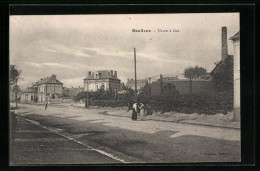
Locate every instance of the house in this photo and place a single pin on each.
(140, 83)
(106, 80)
(72, 92)
(236, 62)
(29, 95)
(48, 88)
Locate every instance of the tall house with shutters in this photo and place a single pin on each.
(106, 80)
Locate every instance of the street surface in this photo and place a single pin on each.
(69, 135)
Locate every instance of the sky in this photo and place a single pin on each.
(71, 45)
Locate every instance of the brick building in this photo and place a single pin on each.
(43, 90)
(48, 87)
(28, 95)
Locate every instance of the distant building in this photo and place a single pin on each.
(236, 43)
(106, 80)
(48, 87)
(72, 92)
(140, 83)
(29, 94)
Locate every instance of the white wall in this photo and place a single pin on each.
(237, 80)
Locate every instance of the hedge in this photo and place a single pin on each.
(108, 103)
(208, 102)
(202, 103)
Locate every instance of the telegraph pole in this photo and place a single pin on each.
(135, 76)
(161, 83)
(87, 95)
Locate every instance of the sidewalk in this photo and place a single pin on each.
(116, 119)
(217, 120)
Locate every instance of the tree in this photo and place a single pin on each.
(223, 75)
(145, 93)
(194, 73)
(14, 76)
(81, 95)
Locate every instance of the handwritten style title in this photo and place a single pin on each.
(158, 30)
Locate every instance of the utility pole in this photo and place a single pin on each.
(87, 95)
(15, 89)
(135, 76)
(190, 85)
(161, 83)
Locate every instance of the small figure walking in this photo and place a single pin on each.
(46, 105)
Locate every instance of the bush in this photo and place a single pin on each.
(207, 102)
(108, 103)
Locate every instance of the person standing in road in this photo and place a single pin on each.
(134, 114)
(142, 114)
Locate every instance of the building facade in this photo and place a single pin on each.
(43, 90)
(236, 43)
(28, 95)
(106, 80)
(140, 83)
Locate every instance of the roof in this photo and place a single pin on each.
(142, 81)
(236, 36)
(105, 74)
(48, 80)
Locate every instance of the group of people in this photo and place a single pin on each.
(140, 109)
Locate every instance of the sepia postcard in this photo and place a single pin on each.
(124, 88)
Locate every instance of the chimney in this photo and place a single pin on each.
(115, 74)
(89, 73)
(224, 48)
(53, 76)
(111, 73)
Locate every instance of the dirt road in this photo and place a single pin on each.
(137, 141)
